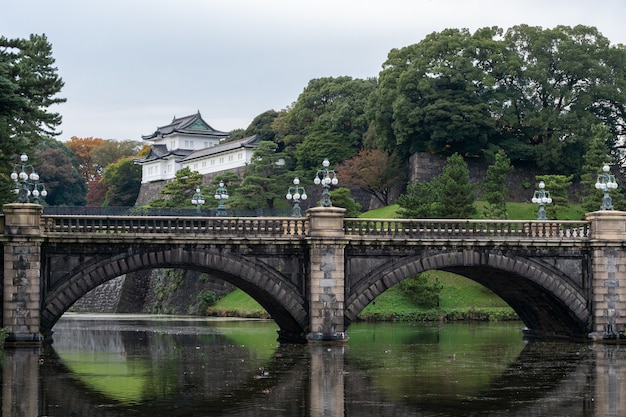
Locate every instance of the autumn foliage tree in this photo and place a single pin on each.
(373, 171)
(83, 149)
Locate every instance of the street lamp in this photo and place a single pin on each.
(325, 177)
(197, 199)
(27, 183)
(221, 194)
(606, 182)
(298, 193)
(542, 198)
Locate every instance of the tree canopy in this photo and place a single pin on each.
(29, 85)
(533, 92)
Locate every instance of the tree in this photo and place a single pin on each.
(83, 150)
(433, 96)
(530, 91)
(557, 185)
(265, 179)
(110, 151)
(495, 190)
(340, 197)
(373, 171)
(29, 85)
(419, 201)
(327, 120)
(178, 193)
(55, 164)
(456, 194)
(123, 182)
(595, 158)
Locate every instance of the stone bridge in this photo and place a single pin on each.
(315, 274)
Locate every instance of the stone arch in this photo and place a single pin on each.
(268, 287)
(543, 297)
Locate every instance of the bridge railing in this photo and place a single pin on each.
(461, 228)
(232, 226)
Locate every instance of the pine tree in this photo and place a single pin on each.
(456, 193)
(495, 191)
(595, 158)
(557, 185)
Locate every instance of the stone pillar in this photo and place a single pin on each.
(22, 271)
(608, 233)
(326, 286)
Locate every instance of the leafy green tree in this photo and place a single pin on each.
(123, 181)
(533, 92)
(373, 171)
(340, 197)
(422, 290)
(456, 194)
(434, 97)
(29, 85)
(108, 152)
(495, 191)
(178, 193)
(327, 121)
(557, 185)
(56, 165)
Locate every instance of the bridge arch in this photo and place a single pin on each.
(278, 296)
(543, 296)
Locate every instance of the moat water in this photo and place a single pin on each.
(115, 365)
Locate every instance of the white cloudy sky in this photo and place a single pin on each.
(132, 65)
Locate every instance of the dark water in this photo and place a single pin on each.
(147, 366)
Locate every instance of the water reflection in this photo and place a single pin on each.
(147, 367)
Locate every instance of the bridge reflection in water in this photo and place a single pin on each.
(190, 369)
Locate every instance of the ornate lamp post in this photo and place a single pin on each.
(606, 182)
(221, 194)
(542, 198)
(298, 193)
(198, 200)
(325, 177)
(27, 183)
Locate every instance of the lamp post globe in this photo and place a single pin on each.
(606, 182)
(326, 177)
(221, 194)
(296, 193)
(26, 182)
(541, 197)
(198, 200)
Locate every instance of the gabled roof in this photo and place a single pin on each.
(189, 125)
(249, 142)
(161, 152)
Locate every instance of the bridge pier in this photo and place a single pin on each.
(22, 278)
(327, 275)
(608, 233)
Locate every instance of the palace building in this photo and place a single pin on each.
(191, 142)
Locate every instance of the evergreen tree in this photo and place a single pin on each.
(419, 201)
(496, 191)
(265, 179)
(595, 158)
(557, 185)
(341, 198)
(456, 194)
(178, 193)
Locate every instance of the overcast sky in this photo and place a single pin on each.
(132, 65)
